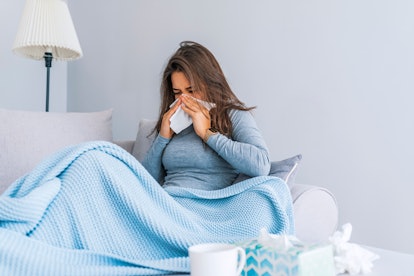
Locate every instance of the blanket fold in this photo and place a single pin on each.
(93, 209)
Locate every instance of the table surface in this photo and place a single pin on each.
(391, 263)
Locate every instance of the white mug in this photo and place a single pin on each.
(216, 259)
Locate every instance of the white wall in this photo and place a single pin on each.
(22, 80)
(332, 80)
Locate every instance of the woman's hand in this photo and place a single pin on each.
(198, 113)
(165, 130)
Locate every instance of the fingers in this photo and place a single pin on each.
(165, 130)
(199, 114)
(192, 106)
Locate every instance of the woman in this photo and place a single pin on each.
(234, 144)
(93, 209)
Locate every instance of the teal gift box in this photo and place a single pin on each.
(297, 259)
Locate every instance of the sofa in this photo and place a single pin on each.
(27, 137)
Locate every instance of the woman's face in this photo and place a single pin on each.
(181, 85)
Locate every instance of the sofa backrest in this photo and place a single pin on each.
(27, 137)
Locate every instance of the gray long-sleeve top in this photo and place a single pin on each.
(186, 161)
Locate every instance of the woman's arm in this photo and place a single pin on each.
(153, 159)
(246, 151)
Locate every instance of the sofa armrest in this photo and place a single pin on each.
(315, 211)
(127, 145)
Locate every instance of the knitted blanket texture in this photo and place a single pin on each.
(93, 209)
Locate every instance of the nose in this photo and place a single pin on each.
(186, 93)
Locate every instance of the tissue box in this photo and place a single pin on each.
(298, 260)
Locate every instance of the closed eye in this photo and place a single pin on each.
(179, 92)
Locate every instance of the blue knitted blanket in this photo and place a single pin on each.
(93, 209)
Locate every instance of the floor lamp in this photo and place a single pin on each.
(47, 32)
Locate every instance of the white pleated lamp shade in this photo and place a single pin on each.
(46, 26)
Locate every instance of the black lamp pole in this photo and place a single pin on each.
(48, 63)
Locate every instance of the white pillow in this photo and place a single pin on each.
(27, 137)
(144, 138)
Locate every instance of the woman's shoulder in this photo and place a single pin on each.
(237, 114)
(242, 119)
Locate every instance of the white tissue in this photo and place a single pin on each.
(278, 242)
(350, 257)
(181, 120)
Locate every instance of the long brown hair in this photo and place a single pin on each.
(204, 73)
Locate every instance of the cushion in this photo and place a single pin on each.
(285, 169)
(144, 139)
(27, 137)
